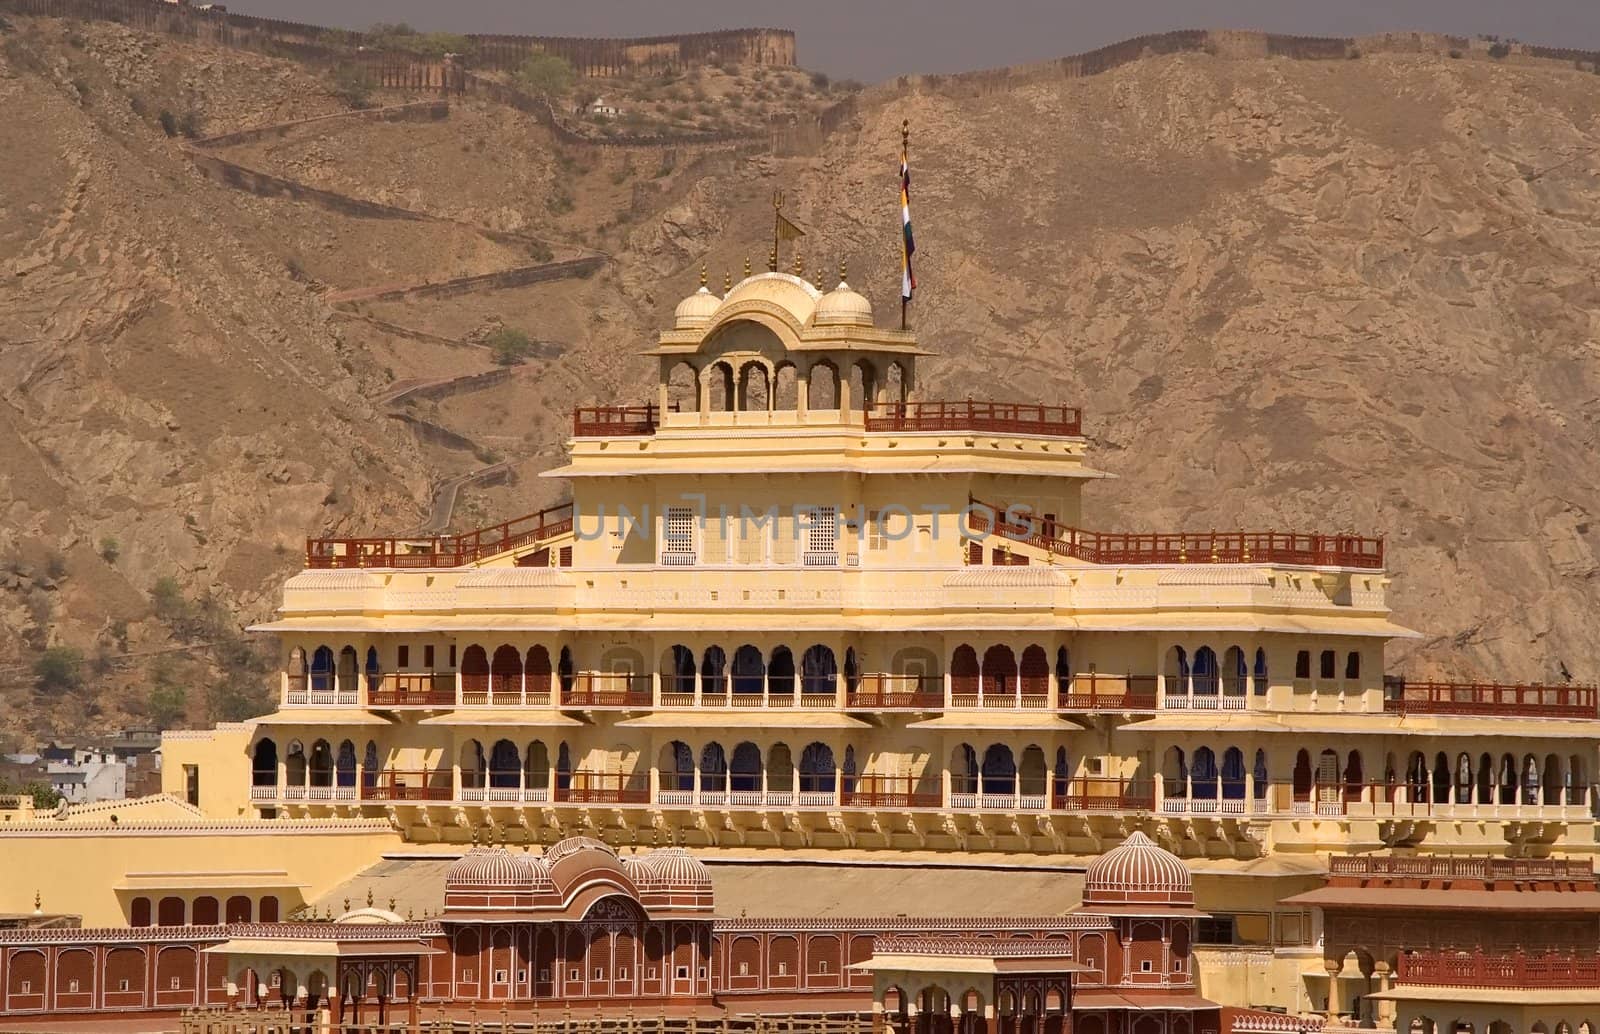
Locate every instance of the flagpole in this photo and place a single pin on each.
(905, 160)
(777, 229)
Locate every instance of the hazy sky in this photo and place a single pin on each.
(877, 39)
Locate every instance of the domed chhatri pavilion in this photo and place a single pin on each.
(818, 629)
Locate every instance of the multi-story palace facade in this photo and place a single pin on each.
(794, 604)
(796, 609)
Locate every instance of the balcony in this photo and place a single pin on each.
(1341, 800)
(1131, 548)
(888, 691)
(609, 691)
(1492, 699)
(1097, 692)
(440, 551)
(615, 421)
(418, 689)
(892, 792)
(601, 788)
(396, 786)
(1514, 971)
(1445, 867)
(318, 691)
(981, 417)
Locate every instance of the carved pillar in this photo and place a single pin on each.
(1333, 966)
(1386, 1008)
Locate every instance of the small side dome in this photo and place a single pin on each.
(695, 311)
(843, 307)
(494, 867)
(370, 917)
(672, 870)
(1138, 871)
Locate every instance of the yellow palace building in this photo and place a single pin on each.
(795, 609)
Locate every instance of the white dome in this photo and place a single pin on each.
(844, 307)
(695, 311)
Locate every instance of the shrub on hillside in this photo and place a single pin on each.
(509, 347)
(353, 85)
(59, 670)
(110, 549)
(169, 122)
(546, 75)
(1499, 50)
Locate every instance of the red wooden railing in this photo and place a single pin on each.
(426, 689)
(1491, 698)
(884, 791)
(1514, 970)
(887, 690)
(1210, 547)
(440, 550)
(608, 421)
(1103, 794)
(997, 417)
(1099, 692)
(1431, 866)
(603, 788)
(607, 689)
(392, 785)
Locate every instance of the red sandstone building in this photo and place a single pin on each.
(581, 928)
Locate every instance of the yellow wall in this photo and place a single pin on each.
(78, 869)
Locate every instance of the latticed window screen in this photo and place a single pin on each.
(679, 530)
(822, 531)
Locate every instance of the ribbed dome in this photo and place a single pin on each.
(671, 869)
(496, 867)
(695, 311)
(843, 307)
(1138, 871)
(572, 845)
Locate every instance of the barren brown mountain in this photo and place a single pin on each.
(1354, 294)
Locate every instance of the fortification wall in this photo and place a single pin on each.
(591, 57)
(422, 111)
(1237, 44)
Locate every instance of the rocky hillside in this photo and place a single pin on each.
(1354, 294)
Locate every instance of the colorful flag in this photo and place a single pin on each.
(908, 247)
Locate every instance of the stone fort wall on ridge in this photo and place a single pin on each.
(588, 56)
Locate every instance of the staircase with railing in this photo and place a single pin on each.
(1138, 548)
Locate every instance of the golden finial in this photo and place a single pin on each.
(409, 915)
(702, 274)
(799, 265)
(772, 259)
(391, 904)
(38, 904)
(905, 132)
(841, 271)
(347, 904)
(727, 282)
(369, 895)
(747, 265)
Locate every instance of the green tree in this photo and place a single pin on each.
(167, 705)
(353, 85)
(508, 346)
(166, 597)
(60, 669)
(45, 797)
(546, 75)
(235, 699)
(110, 549)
